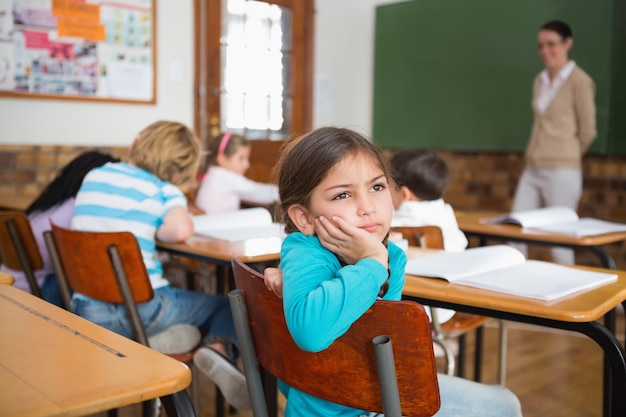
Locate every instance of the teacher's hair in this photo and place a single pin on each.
(559, 27)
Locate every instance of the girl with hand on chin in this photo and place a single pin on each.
(336, 261)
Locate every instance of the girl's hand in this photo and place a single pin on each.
(350, 243)
(274, 280)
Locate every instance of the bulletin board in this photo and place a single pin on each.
(78, 50)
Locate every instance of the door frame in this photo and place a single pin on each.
(207, 64)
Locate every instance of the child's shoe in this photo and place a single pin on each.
(230, 380)
(179, 338)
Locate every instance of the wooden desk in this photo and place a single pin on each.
(470, 224)
(577, 312)
(6, 279)
(54, 363)
(15, 202)
(221, 252)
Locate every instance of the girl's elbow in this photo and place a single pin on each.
(311, 343)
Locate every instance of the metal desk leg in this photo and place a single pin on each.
(616, 373)
(178, 405)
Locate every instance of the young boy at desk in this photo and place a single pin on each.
(145, 196)
(421, 177)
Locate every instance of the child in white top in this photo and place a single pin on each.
(224, 186)
(421, 177)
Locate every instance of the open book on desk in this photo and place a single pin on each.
(504, 269)
(251, 223)
(562, 220)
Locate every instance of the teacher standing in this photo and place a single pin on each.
(563, 129)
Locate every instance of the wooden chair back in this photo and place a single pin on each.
(105, 266)
(18, 247)
(425, 236)
(346, 372)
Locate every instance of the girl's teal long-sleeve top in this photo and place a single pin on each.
(322, 299)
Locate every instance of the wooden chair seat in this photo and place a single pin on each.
(462, 323)
(346, 372)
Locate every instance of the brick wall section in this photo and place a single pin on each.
(479, 180)
(25, 170)
(487, 181)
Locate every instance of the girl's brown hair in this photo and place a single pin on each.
(170, 151)
(233, 143)
(305, 161)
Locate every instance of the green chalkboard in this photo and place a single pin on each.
(457, 74)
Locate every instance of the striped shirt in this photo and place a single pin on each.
(120, 197)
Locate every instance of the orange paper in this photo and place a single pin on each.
(91, 31)
(83, 11)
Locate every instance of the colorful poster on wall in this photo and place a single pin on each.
(84, 49)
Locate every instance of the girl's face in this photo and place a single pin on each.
(553, 50)
(356, 190)
(238, 162)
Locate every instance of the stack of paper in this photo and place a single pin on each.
(238, 225)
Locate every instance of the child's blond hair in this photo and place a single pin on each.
(170, 151)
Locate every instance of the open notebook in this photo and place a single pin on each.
(561, 220)
(504, 269)
(238, 225)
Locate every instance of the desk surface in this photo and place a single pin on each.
(6, 278)
(470, 222)
(209, 249)
(55, 363)
(584, 306)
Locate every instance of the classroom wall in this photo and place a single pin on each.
(345, 97)
(44, 121)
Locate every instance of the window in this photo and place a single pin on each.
(253, 67)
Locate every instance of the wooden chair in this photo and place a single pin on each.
(461, 323)
(107, 266)
(390, 333)
(18, 247)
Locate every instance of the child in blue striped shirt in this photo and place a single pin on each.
(146, 197)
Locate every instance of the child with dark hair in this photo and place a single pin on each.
(421, 177)
(336, 261)
(56, 203)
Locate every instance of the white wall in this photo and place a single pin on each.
(343, 66)
(344, 62)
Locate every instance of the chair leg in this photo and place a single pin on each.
(460, 372)
(219, 403)
(150, 408)
(448, 354)
(502, 353)
(478, 353)
(195, 396)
